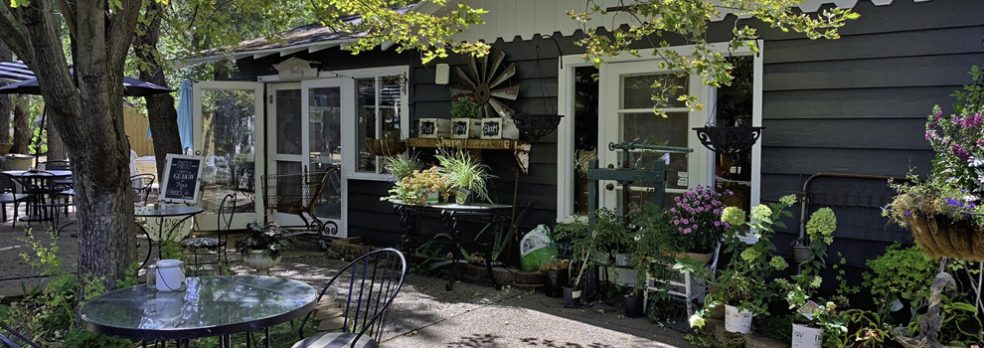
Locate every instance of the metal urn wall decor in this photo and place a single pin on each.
(486, 83)
(728, 140)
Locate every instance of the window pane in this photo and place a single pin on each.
(391, 93)
(366, 127)
(585, 132)
(228, 116)
(637, 91)
(651, 129)
(325, 138)
(289, 121)
(734, 108)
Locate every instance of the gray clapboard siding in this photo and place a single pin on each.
(922, 71)
(876, 45)
(809, 160)
(894, 134)
(894, 102)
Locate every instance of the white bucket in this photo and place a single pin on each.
(737, 321)
(170, 276)
(806, 337)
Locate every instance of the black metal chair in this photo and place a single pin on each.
(41, 191)
(374, 280)
(8, 194)
(14, 339)
(142, 185)
(55, 165)
(227, 211)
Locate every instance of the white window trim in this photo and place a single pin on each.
(565, 107)
(349, 141)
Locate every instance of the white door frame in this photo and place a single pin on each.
(239, 220)
(347, 96)
(271, 122)
(565, 106)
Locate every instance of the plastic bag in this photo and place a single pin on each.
(536, 248)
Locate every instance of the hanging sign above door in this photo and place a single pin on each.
(295, 69)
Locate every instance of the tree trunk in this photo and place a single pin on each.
(56, 147)
(22, 126)
(6, 102)
(161, 114)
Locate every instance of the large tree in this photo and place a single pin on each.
(86, 109)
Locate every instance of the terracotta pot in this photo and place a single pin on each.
(704, 258)
(939, 236)
(260, 260)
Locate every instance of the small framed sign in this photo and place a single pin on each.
(464, 128)
(492, 128)
(434, 128)
(182, 178)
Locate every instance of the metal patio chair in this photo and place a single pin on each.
(142, 185)
(9, 337)
(374, 280)
(226, 213)
(8, 194)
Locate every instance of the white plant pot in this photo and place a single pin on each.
(170, 276)
(807, 337)
(260, 260)
(737, 321)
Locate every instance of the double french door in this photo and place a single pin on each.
(299, 130)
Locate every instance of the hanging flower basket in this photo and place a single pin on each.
(728, 140)
(385, 147)
(940, 236)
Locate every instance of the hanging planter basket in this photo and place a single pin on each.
(536, 126)
(939, 236)
(728, 140)
(385, 147)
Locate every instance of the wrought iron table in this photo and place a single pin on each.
(42, 183)
(171, 210)
(211, 306)
(450, 214)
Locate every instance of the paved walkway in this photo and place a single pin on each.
(425, 314)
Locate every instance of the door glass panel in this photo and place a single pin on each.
(289, 121)
(289, 188)
(637, 91)
(366, 127)
(228, 135)
(390, 91)
(651, 129)
(325, 144)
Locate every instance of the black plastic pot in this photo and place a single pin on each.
(554, 283)
(572, 298)
(800, 253)
(632, 305)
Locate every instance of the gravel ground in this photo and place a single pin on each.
(424, 314)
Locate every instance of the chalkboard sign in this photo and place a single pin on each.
(182, 178)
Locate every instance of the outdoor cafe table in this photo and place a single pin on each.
(34, 210)
(171, 210)
(211, 306)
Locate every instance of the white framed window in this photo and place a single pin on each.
(575, 137)
(381, 111)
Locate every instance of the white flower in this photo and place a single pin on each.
(696, 321)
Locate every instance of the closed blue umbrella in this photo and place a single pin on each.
(185, 123)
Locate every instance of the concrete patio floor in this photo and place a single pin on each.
(424, 314)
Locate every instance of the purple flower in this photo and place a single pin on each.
(954, 202)
(908, 213)
(980, 142)
(960, 152)
(971, 121)
(686, 231)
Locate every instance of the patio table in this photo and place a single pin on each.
(211, 306)
(35, 205)
(451, 214)
(171, 210)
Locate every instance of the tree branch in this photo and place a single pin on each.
(121, 30)
(14, 33)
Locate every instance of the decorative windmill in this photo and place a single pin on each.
(485, 83)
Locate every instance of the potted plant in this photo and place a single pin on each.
(465, 176)
(743, 287)
(697, 218)
(807, 332)
(614, 238)
(945, 212)
(261, 248)
(402, 165)
(555, 275)
(422, 187)
(583, 246)
(465, 121)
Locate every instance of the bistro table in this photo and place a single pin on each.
(170, 210)
(35, 205)
(451, 214)
(211, 306)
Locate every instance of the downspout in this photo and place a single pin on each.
(809, 181)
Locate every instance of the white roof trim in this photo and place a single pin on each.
(509, 19)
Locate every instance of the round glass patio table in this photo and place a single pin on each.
(211, 306)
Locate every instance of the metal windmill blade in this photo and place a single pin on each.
(486, 84)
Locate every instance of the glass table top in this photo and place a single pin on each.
(210, 306)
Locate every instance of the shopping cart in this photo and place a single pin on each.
(298, 194)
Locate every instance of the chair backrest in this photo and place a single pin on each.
(56, 165)
(141, 184)
(12, 338)
(37, 182)
(373, 281)
(7, 184)
(227, 211)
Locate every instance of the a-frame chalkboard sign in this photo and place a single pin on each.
(182, 179)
